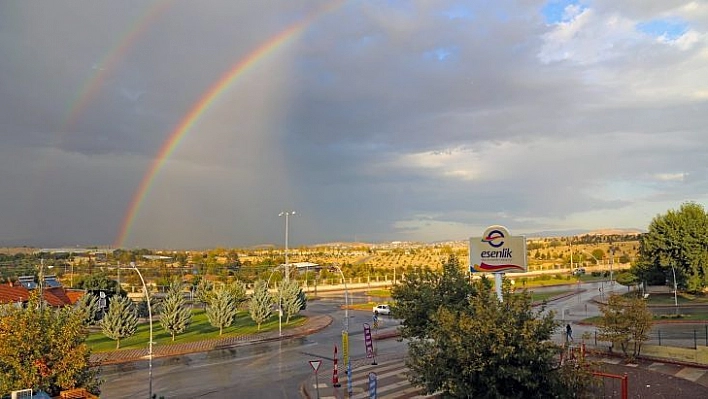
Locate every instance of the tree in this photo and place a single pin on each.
(121, 320)
(204, 291)
(175, 315)
(678, 239)
(625, 322)
(238, 292)
(87, 307)
(97, 281)
(260, 305)
(291, 301)
(423, 292)
(464, 342)
(598, 254)
(221, 309)
(44, 349)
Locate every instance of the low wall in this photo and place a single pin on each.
(697, 356)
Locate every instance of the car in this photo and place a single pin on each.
(579, 271)
(382, 309)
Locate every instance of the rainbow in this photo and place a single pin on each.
(209, 97)
(92, 85)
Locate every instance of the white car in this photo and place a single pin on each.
(382, 309)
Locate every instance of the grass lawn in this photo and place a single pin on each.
(543, 296)
(379, 293)
(682, 298)
(198, 330)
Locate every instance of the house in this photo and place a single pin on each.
(52, 292)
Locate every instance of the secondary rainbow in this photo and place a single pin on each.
(206, 100)
(105, 67)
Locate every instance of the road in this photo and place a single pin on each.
(266, 370)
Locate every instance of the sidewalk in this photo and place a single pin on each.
(312, 325)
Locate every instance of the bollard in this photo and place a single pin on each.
(695, 342)
(659, 331)
(335, 370)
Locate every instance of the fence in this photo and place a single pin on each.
(686, 338)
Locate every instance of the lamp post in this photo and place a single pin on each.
(287, 216)
(280, 304)
(147, 297)
(673, 270)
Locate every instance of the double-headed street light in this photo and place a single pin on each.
(287, 216)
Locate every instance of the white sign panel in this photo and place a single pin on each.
(497, 251)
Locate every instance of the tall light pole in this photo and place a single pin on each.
(147, 297)
(673, 270)
(287, 226)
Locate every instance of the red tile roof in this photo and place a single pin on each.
(10, 294)
(56, 296)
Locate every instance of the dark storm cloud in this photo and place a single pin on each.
(411, 120)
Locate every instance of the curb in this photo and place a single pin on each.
(208, 345)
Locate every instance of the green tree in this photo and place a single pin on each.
(260, 304)
(221, 309)
(679, 239)
(484, 348)
(238, 292)
(424, 291)
(626, 323)
(121, 320)
(204, 291)
(87, 307)
(44, 349)
(175, 315)
(97, 281)
(291, 301)
(598, 254)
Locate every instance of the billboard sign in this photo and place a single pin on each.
(497, 251)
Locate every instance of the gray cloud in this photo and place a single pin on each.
(377, 121)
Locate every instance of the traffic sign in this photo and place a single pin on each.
(315, 364)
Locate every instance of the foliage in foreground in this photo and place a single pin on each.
(465, 343)
(44, 349)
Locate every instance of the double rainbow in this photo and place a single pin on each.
(207, 99)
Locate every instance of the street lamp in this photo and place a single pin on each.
(280, 304)
(287, 216)
(147, 297)
(673, 270)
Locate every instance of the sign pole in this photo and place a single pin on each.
(315, 364)
(498, 285)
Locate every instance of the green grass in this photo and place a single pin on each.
(668, 299)
(543, 296)
(379, 293)
(198, 330)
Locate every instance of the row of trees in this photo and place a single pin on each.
(221, 305)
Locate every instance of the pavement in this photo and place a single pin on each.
(688, 379)
(313, 324)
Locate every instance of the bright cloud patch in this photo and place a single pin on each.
(557, 11)
(670, 176)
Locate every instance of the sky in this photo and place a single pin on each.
(181, 124)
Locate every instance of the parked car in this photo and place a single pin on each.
(579, 272)
(382, 309)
